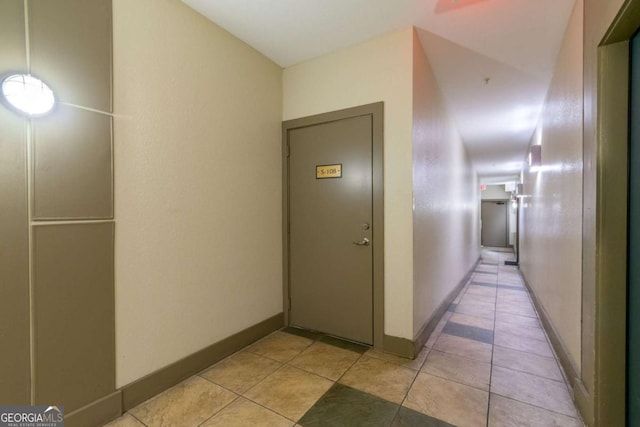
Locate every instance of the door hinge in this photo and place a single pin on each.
(288, 149)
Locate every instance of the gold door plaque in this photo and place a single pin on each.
(329, 171)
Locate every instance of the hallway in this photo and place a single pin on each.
(487, 363)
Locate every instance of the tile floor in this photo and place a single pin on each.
(488, 363)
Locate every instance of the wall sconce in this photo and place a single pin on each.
(27, 95)
(535, 157)
(520, 191)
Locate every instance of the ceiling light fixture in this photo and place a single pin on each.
(27, 95)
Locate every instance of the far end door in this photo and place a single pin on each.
(331, 231)
(494, 224)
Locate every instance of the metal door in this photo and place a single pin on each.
(494, 224)
(330, 228)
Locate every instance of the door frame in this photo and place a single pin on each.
(376, 111)
(508, 231)
(600, 390)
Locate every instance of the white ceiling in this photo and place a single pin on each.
(514, 43)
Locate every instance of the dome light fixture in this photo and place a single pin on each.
(27, 95)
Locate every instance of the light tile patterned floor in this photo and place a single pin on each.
(488, 363)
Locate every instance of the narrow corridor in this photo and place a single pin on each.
(488, 362)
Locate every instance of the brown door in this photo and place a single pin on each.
(331, 231)
(494, 224)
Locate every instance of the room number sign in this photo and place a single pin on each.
(329, 171)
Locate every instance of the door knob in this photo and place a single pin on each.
(363, 242)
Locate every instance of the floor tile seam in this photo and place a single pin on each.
(257, 354)
(475, 294)
(517, 322)
(486, 281)
(459, 355)
(513, 301)
(406, 395)
(276, 412)
(425, 359)
(470, 315)
(471, 338)
(502, 310)
(527, 352)
(475, 308)
(531, 338)
(475, 314)
(548, 340)
(534, 405)
(482, 299)
(457, 381)
(276, 360)
(136, 418)
(502, 288)
(493, 346)
(478, 305)
(563, 374)
(429, 351)
(523, 351)
(529, 373)
(476, 326)
(227, 388)
(395, 414)
(565, 378)
(512, 287)
(242, 350)
(314, 373)
(220, 410)
(372, 394)
(511, 312)
(172, 387)
(470, 326)
(473, 320)
(348, 369)
(244, 394)
(268, 357)
(481, 289)
(523, 305)
(534, 375)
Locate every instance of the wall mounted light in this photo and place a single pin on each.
(535, 157)
(27, 95)
(520, 191)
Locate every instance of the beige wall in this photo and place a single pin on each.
(445, 197)
(495, 192)
(197, 187)
(377, 70)
(552, 210)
